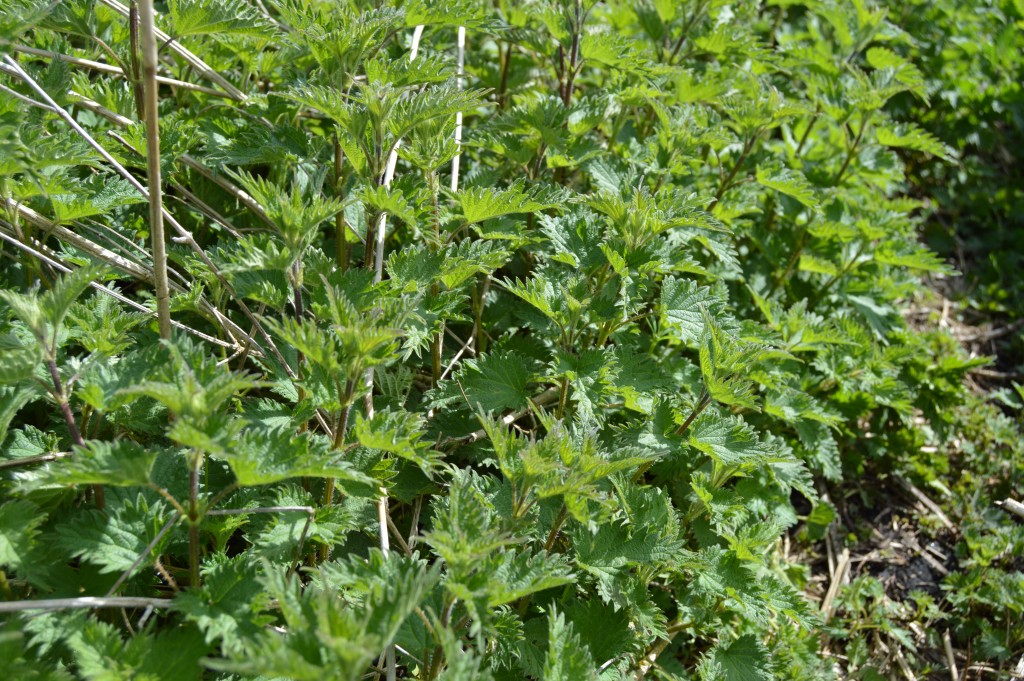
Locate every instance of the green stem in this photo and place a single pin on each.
(807, 131)
(563, 397)
(5, 587)
(136, 73)
(563, 514)
(697, 12)
(852, 150)
(69, 420)
(748, 145)
(193, 524)
(703, 400)
(503, 87)
(340, 227)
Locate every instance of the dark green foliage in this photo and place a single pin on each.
(553, 418)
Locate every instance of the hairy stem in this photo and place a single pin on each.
(193, 524)
(748, 145)
(340, 227)
(852, 150)
(135, 77)
(69, 420)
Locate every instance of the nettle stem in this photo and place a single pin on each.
(748, 146)
(193, 521)
(852, 150)
(136, 73)
(340, 226)
(64, 405)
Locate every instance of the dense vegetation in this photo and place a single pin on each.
(554, 340)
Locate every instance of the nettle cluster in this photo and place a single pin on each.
(508, 339)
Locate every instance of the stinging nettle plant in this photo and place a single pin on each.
(508, 338)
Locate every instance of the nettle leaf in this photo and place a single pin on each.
(496, 381)
(264, 456)
(516, 574)
(220, 17)
(745, 659)
(729, 441)
(913, 258)
(228, 605)
(466, 527)
(684, 305)
(100, 653)
(911, 136)
(609, 553)
(14, 397)
(485, 203)
(567, 658)
(336, 630)
(399, 433)
(122, 463)
(113, 540)
(18, 362)
(788, 182)
(19, 530)
(724, 363)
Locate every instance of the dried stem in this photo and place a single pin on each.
(156, 221)
(195, 62)
(85, 602)
(114, 70)
(460, 72)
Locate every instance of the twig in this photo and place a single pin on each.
(455, 359)
(98, 108)
(115, 70)
(460, 70)
(385, 547)
(651, 656)
(102, 254)
(1011, 506)
(192, 60)
(545, 398)
(32, 460)
(185, 236)
(928, 503)
(156, 221)
(992, 334)
(947, 645)
(902, 662)
(85, 602)
(837, 581)
(398, 536)
(175, 517)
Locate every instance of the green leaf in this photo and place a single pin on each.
(13, 398)
(496, 381)
(728, 440)
(683, 305)
(399, 433)
(113, 540)
(19, 529)
(228, 605)
(788, 182)
(122, 463)
(264, 456)
(567, 659)
(218, 17)
(745, 659)
(485, 203)
(911, 136)
(516, 574)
